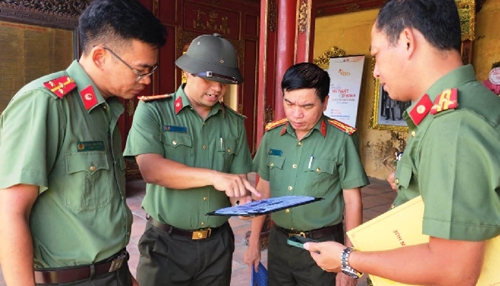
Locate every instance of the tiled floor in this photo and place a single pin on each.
(377, 198)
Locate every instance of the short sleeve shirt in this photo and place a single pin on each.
(173, 129)
(322, 164)
(452, 159)
(73, 154)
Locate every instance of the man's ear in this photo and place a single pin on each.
(98, 55)
(408, 38)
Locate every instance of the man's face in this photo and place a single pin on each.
(202, 93)
(389, 65)
(303, 109)
(121, 80)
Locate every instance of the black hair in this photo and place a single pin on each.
(107, 21)
(437, 20)
(307, 75)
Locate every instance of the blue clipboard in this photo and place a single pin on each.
(259, 278)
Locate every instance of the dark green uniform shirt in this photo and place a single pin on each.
(172, 128)
(74, 156)
(452, 159)
(323, 163)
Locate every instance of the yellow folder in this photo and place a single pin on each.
(402, 226)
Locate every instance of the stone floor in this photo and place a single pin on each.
(377, 198)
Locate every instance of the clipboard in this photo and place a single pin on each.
(265, 206)
(259, 278)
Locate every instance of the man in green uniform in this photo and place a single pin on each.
(452, 158)
(309, 154)
(193, 153)
(62, 185)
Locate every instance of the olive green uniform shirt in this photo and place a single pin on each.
(171, 128)
(74, 157)
(322, 164)
(452, 159)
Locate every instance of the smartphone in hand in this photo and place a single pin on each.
(298, 241)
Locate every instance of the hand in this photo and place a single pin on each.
(390, 179)
(252, 255)
(326, 254)
(233, 185)
(344, 280)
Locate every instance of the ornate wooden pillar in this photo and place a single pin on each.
(305, 30)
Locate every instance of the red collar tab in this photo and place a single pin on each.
(88, 97)
(342, 126)
(61, 85)
(153, 97)
(448, 99)
(420, 110)
(283, 131)
(323, 128)
(274, 124)
(178, 104)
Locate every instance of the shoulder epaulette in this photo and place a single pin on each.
(447, 100)
(274, 124)
(153, 97)
(225, 108)
(61, 85)
(342, 126)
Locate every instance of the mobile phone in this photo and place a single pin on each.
(298, 241)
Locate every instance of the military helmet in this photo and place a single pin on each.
(213, 58)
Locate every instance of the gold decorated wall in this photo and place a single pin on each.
(351, 33)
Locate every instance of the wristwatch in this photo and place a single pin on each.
(344, 262)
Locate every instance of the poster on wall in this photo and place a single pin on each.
(346, 74)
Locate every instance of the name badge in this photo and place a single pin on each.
(90, 146)
(275, 152)
(178, 129)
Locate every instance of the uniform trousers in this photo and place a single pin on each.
(170, 259)
(293, 266)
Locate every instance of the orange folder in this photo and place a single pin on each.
(402, 226)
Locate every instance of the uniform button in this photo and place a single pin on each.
(300, 143)
(92, 168)
(290, 188)
(202, 223)
(291, 228)
(294, 166)
(229, 150)
(205, 198)
(271, 165)
(396, 181)
(174, 142)
(287, 211)
(413, 133)
(105, 107)
(318, 170)
(204, 147)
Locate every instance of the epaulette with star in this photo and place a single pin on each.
(61, 85)
(274, 124)
(447, 100)
(153, 97)
(342, 126)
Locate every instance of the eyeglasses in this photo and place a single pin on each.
(140, 75)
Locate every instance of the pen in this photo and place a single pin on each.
(221, 144)
(310, 161)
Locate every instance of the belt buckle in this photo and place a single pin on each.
(118, 262)
(201, 234)
(303, 234)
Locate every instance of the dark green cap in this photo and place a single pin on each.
(211, 57)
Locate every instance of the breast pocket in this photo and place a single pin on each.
(178, 147)
(226, 152)
(320, 176)
(89, 183)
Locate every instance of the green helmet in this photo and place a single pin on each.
(213, 58)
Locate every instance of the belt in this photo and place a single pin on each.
(315, 233)
(193, 234)
(73, 274)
